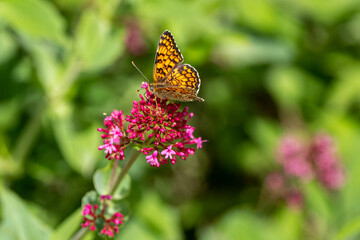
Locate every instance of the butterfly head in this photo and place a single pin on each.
(151, 87)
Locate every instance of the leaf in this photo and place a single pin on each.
(96, 42)
(317, 201)
(79, 148)
(350, 231)
(102, 182)
(91, 197)
(34, 18)
(287, 86)
(18, 222)
(239, 224)
(154, 213)
(289, 223)
(240, 50)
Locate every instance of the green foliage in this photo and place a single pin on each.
(102, 182)
(20, 222)
(268, 68)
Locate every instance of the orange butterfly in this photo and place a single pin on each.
(172, 79)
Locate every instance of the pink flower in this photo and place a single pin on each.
(155, 126)
(89, 212)
(115, 139)
(111, 224)
(134, 39)
(293, 155)
(106, 197)
(294, 198)
(161, 124)
(198, 142)
(152, 159)
(168, 152)
(275, 184)
(326, 162)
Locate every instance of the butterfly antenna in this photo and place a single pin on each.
(139, 71)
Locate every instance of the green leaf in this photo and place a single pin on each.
(240, 50)
(289, 223)
(91, 197)
(96, 42)
(18, 222)
(7, 45)
(287, 86)
(68, 227)
(154, 213)
(351, 230)
(239, 224)
(102, 182)
(79, 148)
(34, 18)
(136, 229)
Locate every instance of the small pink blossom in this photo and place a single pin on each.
(89, 212)
(114, 138)
(91, 215)
(198, 142)
(106, 197)
(152, 159)
(168, 152)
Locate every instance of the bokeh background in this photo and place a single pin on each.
(270, 70)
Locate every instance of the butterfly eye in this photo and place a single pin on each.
(151, 88)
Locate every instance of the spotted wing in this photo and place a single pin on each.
(167, 57)
(184, 76)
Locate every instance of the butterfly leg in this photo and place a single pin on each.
(171, 101)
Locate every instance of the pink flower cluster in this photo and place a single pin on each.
(93, 213)
(302, 161)
(326, 162)
(115, 139)
(158, 126)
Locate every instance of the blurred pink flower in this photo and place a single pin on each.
(294, 198)
(326, 162)
(275, 184)
(134, 39)
(293, 155)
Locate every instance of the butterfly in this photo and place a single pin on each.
(172, 79)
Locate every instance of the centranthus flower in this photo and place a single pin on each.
(158, 127)
(97, 213)
(89, 212)
(115, 139)
(303, 160)
(162, 126)
(153, 159)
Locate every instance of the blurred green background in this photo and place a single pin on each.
(268, 67)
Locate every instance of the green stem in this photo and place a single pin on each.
(113, 172)
(134, 155)
(80, 234)
(27, 137)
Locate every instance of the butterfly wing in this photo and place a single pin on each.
(183, 84)
(167, 57)
(184, 76)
